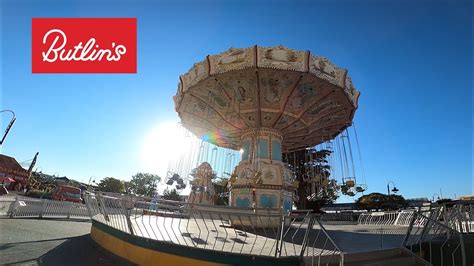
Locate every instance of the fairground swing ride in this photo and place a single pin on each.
(274, 122)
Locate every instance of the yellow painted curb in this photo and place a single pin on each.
(140, 255)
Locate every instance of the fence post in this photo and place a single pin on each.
(69, 210)
(281, 234)
(13, 207)
(460, 217)
(304, 245)
(277, 236)
(397, 218)
(102, 204)
(88, 203)
(428, 225)
(463, 251)
(410, 227)
(127, 216)
(43, 208)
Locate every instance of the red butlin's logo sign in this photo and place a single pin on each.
(84, 45)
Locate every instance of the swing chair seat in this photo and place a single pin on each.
(350, 183)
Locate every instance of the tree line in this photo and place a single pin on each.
(142, 184)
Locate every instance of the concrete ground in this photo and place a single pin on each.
(65, 242)
(354, 238)
(50, 242)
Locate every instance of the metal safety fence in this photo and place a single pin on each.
(378, 218)
(259, 232)
(399, 218)
(18, 206)
(435, 242)
(458, 216)
(436, 235)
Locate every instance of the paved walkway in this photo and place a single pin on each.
(61, 242)
(353, 238)
(50, 242)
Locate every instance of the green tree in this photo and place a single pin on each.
(306, 164)
(379, 201)
(144, 184)
(171, 195)
(110, 184)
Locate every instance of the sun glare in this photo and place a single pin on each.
(163, 144)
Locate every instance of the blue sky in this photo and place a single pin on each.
(411, 61)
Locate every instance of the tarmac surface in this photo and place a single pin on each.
(354, 238)
(31, 241)
(51, 242)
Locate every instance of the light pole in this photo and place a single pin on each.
(9, 125)
(433, 197)
(90, 179)
(394, 189)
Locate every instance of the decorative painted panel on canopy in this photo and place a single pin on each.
(305, 97)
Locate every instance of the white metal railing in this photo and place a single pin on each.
(434, 235)
(257, 232)
(400, 218)
(17, 206)
(6, 204)
(459, 216)
(435, 242)
(404, 218)
(378, 218)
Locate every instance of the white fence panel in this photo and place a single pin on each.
(27, 208)
(6, 205)
(17, 206)
(402, 218)
(55, 209)
(79, 210)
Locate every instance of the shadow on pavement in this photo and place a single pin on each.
(8, 245)
(80, 250)
(59, 219)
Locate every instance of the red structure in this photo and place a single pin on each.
(10, 168)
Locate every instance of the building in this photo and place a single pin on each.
(339, 207)
(10, 168)
(418, 202)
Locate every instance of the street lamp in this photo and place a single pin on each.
(394, 189)
(433, 197)
(9, 125)
(90, 179)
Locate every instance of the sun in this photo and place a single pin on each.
(162, 145)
